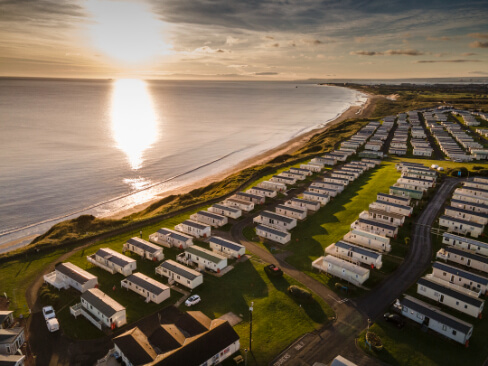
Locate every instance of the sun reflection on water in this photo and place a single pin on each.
(134, 120)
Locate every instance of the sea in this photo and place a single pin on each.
(70, 147)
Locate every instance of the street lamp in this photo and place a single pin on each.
(250, 327)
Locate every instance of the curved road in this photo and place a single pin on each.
(352, 316)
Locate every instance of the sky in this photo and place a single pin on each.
(244, 40)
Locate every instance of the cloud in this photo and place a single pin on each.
(478, 44)
(444, 38)
(231, 41)
(209, 50)
(366, 53)
(266, 73)
(388, 53)
(444, 61)
(468, 54)
(479, 35)
(404, 52)
(238, 66)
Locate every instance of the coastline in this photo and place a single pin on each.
(288, 147)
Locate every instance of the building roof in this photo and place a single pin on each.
(394, 197)
(377, 224)
(450, 292)
(226, 243)
(306, 202)
(226, 208)
(356, 249)
(9, 335)
(74, 272)
(480, 205)
(102, 302)
(206, 254)
(291, 208)
(136, 347)
(211, 215)
(405, 207)
(144, 245)
(462, 210)
(316, 194)
(463, 253)
(461, 273)
(180, 269)
(465, 240)
(114, 257)
(10, 360)
(386, 213)
(271, 230)
(466, 222)
(434, 313)
(194, 224)
(276, 216)
(347, 265)
(249, 195)
(284, 178)
(405, 189)
(262, 189)
(147, 283)
(370, 235)
(174, 234)
(4, 314)
(243, 202)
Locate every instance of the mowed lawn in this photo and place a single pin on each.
(332, 222)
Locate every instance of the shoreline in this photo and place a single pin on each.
(287, 147)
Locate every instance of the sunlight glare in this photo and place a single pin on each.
(134, 120)
(126, 31)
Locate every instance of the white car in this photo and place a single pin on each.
(192, 300)
(48, 312)
(52, 324)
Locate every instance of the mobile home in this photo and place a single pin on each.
(355, 254)
(267, 232)
(210, 218)
(306, 172)
(67, 275)
(290, 211)
(232, 212)
(460, 277)
(239, 204)
(282, 179)
(262, 192)
(171, 238)
(226, 247)
(404, 192)
(369, 240)
(150, 289)
(144, 248)
(176, 272)
(383, 216)
(464, 243)
(392, 207)
(470, 206)
(112, 261)
(468, 259)
(254, 198)
(275, 186)
(195, 229)
(323, 199)
(203, 258)
(451, 298)
(405, 201)
(467, 215)
(275, 220)
(337, 267)
(436, 320)
(298, 202)
(375, 227)
(461, 226)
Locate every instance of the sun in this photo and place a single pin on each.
(126, 31)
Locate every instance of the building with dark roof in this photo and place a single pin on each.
(147, 287)
(11, 340)
(100, 309)
(144, 248)
(112, 261)
(193, 339)
(176, 272)
(226, 247)
(67, 275)
(436, 320)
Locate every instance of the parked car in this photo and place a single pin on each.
(192, 300)
(394, 319)
(52, 324)
(272, 270)
(48, 312)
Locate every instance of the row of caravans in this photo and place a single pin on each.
(368, 239)
(459, 277)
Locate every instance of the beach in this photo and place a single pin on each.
(289, 147)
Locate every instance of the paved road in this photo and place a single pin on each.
(338, 338)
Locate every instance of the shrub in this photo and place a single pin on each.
(299, 293)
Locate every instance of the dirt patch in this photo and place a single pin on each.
(232, 318)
